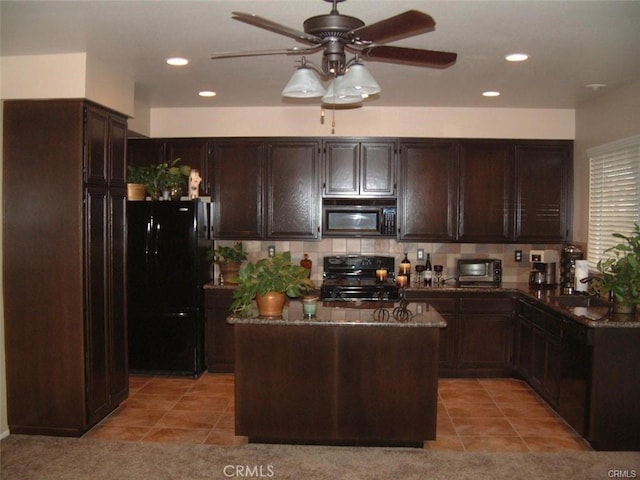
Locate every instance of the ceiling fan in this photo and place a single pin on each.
(335, 34)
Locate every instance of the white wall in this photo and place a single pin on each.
(613, 116)
(368, 121)
(72, 75)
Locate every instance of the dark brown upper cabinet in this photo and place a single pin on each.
(486, 191)
(543, 178)
(237, 171)
(360, 168)
(191, 151)
(428, 191)
(293, 189)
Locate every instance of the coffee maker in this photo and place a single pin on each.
(543, 263)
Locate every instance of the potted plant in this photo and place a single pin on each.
(269, 281)
(137, 179)
(620, 273)
(229, 260)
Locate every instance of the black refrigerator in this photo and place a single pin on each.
(167, 266)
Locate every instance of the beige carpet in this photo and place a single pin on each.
(48, 458)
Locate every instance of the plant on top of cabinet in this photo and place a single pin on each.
(274, 275)
(620, 274)
(158, 178)
(229, 259)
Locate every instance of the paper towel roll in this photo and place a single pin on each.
(582, 271)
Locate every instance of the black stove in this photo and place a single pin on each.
(353, 277)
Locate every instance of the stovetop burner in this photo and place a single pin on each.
(353, 277)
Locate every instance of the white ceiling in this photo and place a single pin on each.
(571, 44)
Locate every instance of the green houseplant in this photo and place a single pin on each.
(267, 276)
(620, 272)
(164, 176)
(137, 179)
(229, 260)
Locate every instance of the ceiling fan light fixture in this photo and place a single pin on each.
(332, 97)
(303, 84)
(358, 81)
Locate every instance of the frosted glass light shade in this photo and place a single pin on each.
(346, 98)
(358, 81)
(303, 84)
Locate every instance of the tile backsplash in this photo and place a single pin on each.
(445, 254)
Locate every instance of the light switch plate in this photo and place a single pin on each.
(421, 254)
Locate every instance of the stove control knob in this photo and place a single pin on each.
(335, 293)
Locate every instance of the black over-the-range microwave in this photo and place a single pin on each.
(358, 218)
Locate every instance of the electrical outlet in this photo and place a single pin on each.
(271, 250)
(421, 254)
(518, 256)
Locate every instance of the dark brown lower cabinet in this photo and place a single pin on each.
(477, 341)
(336, 384)
(219, 336)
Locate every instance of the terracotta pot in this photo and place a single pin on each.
(229, 271)
(136, 191)
(271, 304)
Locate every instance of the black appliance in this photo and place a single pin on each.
(353, 277)
(166, 269)
(359, 218)
(479, 272)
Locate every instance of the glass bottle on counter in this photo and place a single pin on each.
(428, 271)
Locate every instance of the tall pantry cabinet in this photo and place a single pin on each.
(64, 264)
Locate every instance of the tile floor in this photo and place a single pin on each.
(491, 415)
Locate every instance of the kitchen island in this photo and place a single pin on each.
(355, 373)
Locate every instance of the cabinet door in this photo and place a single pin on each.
(97, 147)
(484, 335)
(192, 152)
(341, 169)
(524, 348)
(142, 152)
(118, 366)
(219, 334)
(427, 199)
(486, 185)
(543, 191)
(97, 302)
(378, 169)
(237, 195)
(447, 307)
(293, 197)
(117, 151)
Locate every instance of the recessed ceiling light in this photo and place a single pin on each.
(490, 94)
(207, 93)
(516, 57)
(177, 61)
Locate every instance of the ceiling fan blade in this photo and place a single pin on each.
(410, 56)
(261, 22)
(258, 53)
(403, 25)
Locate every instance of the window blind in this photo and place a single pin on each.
(614, 194)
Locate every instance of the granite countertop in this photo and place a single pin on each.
(595, 314)
(387, 314)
